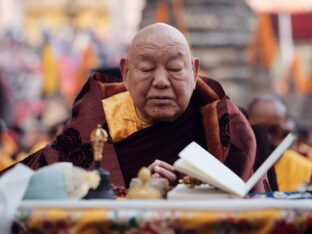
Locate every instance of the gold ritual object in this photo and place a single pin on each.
(98, 138)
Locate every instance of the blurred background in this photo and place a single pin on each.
(48, 48)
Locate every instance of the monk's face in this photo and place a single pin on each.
(160, 74)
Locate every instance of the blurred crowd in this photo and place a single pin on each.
(38, 83)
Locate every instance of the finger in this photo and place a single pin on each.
(156, 175)
(165, 173)
(152, 166)
(164, 165)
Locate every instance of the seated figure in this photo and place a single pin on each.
(268, 115)
(160, 107)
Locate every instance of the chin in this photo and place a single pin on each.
(164, 117)
(166, 114)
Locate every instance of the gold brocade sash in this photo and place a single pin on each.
(121, 116)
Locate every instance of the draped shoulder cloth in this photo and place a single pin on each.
(228, 134)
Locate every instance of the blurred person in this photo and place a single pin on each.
(56, 129)
(262, 153)
(50, 78)
(309, 140)
(2, 98)
(7, 147)
(85, 44)
(34, 138)
(16, 132)
(161, 106)
(270, 114)
(20, 67)
(270, 111)
(302, 145)
(263, 149)
(56, 111)
(5, 96)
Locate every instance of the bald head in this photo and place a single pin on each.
(266, 109)
(159, 32)
(270, 111)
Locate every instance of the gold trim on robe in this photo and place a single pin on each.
(121, 116)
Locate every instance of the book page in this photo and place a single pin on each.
(187, 168)
(269, 162)
(200, 192)
(207, 168)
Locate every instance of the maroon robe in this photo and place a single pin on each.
(211, 119)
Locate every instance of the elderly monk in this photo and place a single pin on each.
(159, 108)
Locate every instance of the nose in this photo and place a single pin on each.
(161, 79)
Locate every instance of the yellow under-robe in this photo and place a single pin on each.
(5, 161)
(292, 170)
(121, 116)
(7, 149)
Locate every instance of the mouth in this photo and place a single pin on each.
(160, 100)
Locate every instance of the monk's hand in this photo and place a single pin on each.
(162, 169)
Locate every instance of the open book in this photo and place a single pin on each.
(195, 161)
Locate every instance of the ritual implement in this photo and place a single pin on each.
(103, 191)
(144, 190)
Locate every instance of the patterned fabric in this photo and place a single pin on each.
(283, 195)
(70, 149)
(224, 129)
(50, 221)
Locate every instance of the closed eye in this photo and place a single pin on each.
(147, 69)
(174, 69)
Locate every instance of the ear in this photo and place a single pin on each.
(195, 67)
(123, 64)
